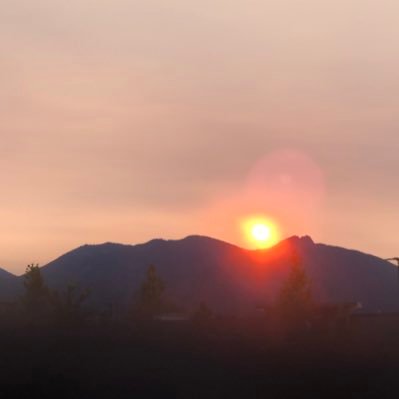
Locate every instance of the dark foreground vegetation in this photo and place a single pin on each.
(183, 361)
(51, 347)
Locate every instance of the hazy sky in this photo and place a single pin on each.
(125, 120)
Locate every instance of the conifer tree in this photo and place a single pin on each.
(68, 305)
(150, 294)
(36, 295)
(295, 300)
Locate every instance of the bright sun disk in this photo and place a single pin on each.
(260, 232)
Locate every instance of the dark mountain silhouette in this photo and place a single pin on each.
(10, 285)
(225, 276)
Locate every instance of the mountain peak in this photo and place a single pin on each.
(297, 240)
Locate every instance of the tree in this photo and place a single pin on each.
(68, 305)
(36, 292)
(150, 294)
(295, 300)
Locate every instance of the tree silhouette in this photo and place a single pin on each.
(150, 294)
(68, 305)
(36, 298)
(295, 300)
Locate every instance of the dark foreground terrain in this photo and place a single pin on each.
(188, 360)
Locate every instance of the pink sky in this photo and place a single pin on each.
(128, 120)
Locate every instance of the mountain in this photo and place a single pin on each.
(225, 276)
(10, 285)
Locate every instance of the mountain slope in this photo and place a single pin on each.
(193, 269)
(225, 276)
(10, 285)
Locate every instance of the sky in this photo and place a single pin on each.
(125, 120)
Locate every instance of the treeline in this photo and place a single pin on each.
(293, 310)
(40, 305)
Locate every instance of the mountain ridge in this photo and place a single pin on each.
(199, 268)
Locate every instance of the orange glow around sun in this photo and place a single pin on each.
(260, 232)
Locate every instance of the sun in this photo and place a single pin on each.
(260, 232)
